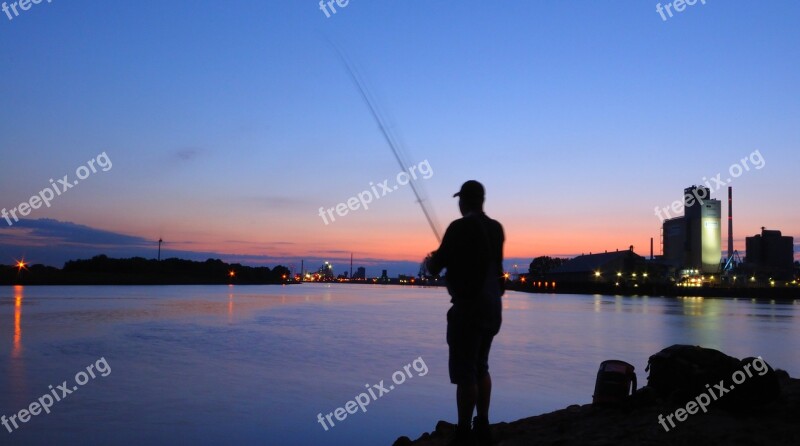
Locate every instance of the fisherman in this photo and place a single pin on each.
(472, 253)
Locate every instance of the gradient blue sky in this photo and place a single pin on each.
(230, 123)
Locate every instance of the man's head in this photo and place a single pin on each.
(470, 197)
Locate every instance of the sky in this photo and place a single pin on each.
(227, 126)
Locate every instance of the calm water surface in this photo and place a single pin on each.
(207, 365)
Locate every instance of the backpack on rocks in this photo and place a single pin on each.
(680, 373)
(616, 381)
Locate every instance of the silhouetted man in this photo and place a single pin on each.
(472, 252)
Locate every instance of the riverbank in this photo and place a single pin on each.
(667, 290)
(102, 270)
(782, 292)
(580, 425)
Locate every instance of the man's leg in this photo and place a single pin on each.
(484, 389)
(484, 379)
(463, 357)
(466, 397)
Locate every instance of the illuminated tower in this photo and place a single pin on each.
(703, 234)
(694, 241)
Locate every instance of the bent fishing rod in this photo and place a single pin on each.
(390, 139)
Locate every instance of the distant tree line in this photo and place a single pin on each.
(102, 270)
(540, 266)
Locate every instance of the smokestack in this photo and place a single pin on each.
(651, 248)
(730, 221)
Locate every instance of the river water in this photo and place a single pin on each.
(255, 365)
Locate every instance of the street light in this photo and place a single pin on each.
(21, 266)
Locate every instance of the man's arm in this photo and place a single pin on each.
(502, 243)
(441, 258)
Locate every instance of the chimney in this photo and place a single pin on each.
(730, 221)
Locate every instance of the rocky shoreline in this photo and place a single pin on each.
(777, 423)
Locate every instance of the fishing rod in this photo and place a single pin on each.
(387, 134)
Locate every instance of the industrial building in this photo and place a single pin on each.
(360, 274)
(770, 251)
(694, 241)
(605, 267)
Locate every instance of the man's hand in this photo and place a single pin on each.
(427, 261)
(427, 264)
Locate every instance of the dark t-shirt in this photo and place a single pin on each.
(472, 252)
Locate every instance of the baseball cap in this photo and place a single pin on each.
(471, 189)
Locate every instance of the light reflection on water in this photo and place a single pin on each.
(254, 365)
(16, 375)
(17, 349)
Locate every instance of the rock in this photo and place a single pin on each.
(402, 441)
(444, 428)
(578, 425)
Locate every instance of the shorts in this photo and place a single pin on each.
(469, 345)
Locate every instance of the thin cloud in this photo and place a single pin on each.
(187, 154)
(273, 202)
(58, 232)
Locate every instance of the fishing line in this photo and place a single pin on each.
(391, 139)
